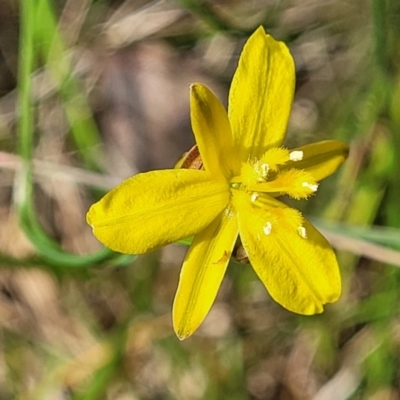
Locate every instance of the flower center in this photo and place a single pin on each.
(275, 174)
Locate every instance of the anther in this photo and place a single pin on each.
(254, 197)
(235, 185)
(228, 212)
(264, 170)
(302, 232)
(311, 186)
(267, 228)
(296, 155)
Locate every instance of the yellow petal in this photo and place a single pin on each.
(297, 266)
(202, 273)
(320, 159)
(261, 96)
(212, 131)
(155, 208)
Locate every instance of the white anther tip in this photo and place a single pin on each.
(254, 197)
(312, 186)
(267, 228)
(228, 212)
(296, 155)
(302, 232)
(264, 170)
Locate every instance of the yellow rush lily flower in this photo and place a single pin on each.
(245, 170)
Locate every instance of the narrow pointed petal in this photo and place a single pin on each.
(297, 266)
(212, 131)
(261, 95)
(320, 159)
(156, 208)
(202, 273)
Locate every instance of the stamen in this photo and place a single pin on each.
(302, 231)
(264, 170)
(229, 212)
(289, 219)
(274, 157)
(296, 183)
(235, 185)
(296, 155)
(250, 173)
(254, 197)
(311, 186)
(267, 228)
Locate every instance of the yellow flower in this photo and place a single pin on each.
(245, 170)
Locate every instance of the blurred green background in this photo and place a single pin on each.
(93, 91)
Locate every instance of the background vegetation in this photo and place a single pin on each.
(93, 91)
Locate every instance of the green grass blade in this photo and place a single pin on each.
(58, 61)
(46, 247)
